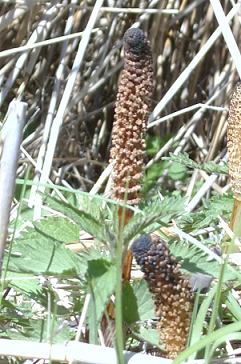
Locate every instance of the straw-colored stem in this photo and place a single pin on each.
(235, 221)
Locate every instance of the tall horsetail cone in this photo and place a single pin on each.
(234, 151)
(132, 111)
(171, 291)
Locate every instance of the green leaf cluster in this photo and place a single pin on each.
(40, 251)
(195, 260)
(208, 214)
(210, 167)
(154, 215)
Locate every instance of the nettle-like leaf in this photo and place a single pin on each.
(59, 228)
(101, 276)
(210, 167)
(95, 253)
(137, 302)
(129, 305)
(23, 283)
(37, 252)
(144, 300)
(208, 214)
(88, 217)
(195, 260)
(153, 216)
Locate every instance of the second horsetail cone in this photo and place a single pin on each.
(234, 141)
(171, 291)
(234, 151)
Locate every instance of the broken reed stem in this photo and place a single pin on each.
(171, 292)
(234, 150)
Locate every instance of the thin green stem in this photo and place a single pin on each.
(118, 304)
(76, 192)
(204, 341)
(216, 303)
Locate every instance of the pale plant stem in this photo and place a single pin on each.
(227, 34)
(49, 118)
(188, 70)
(15, 13)
(57, 122)
(11, 144)
(44, 43)
(37, 34)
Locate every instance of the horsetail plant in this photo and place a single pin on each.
(132, 110)
(171, 292)
(234, 150)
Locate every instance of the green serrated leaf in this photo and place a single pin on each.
(23, 283)
(197, 261)
(149, 335)
(102, 277)
(59, 228)
(137, 302)
(209, 213)
(177, 172)
(129, 305)
(88, 217)
(153, 216)
(144, 299)
(95, 253)
(33, 252)
(210, 167)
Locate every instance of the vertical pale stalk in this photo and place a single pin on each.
(12, 130)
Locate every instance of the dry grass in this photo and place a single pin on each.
(83, 98)
(65, 60)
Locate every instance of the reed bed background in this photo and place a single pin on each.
(64, 58)
(73, 106)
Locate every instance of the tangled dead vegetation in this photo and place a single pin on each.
(40, 76)
(65, 61)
